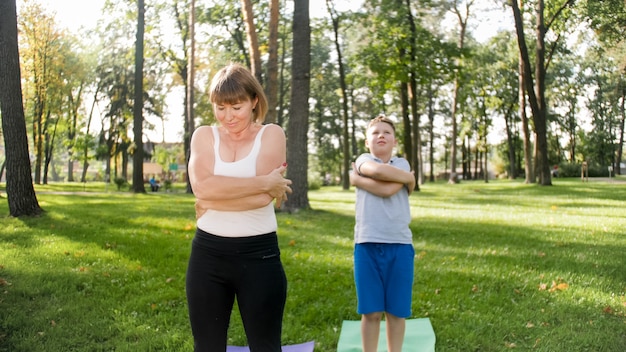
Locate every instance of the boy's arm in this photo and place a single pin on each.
(388, 173)
(385, 172)
(379, 188)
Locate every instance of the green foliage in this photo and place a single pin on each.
(574, 170)
(120, 182)
(569, 170)
(499, 266)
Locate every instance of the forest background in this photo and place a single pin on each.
(537, 99)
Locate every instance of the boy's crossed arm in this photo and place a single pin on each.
(382, 180)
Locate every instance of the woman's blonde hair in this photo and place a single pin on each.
(234, 84)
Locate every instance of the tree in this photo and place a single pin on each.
(498, 60)
(253, 41)
(298, 125)
(271, 78)
(462, 18)
(138, 185)
(190, 85)
(41, 47)
(344, 98)
(535, 86)
(20, 191)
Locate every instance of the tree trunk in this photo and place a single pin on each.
(462, 19)
(19, 187)
(49, 138)
(510, 142)
(190, 86)
(345, 175)
(83, 177)
(540, 117)
(431, 132)
(406, 120)
(622, 123)
(529, 174)
(298, 125)
(535, 91)
(138, 186)
(416, 160)
(253, 41)
(271, 87)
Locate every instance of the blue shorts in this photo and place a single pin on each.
(383, 273)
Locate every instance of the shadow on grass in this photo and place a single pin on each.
(121, 262)
(484, 284)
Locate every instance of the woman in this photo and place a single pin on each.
(236, 171)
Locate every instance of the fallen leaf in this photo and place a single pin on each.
(530, 325)
(292, 243)
(169, 279)
(560, 287)
(607, 310)
(536, 343)
(474, 288)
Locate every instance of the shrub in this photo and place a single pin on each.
(119, 182)
(573, 170)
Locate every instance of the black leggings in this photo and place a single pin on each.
(248, 268)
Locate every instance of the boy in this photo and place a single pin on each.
(383, 251)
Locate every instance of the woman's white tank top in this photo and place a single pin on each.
(238, 223)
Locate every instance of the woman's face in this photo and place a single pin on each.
(235, 117)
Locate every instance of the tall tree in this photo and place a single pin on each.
(535, 86)
(462, 18)
(298, 125)
(345, 178)
(40, 50)
(191, 77)
(20, 191)
(138, 185)
(416, 141)
(271, 84)
(253, 40)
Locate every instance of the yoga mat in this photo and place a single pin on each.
(419, 336)
(303, 347)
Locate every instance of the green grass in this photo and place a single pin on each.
(499, 266)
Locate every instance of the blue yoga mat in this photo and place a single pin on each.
(303, 347)
(419, 336)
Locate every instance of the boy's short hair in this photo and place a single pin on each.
(381, 118)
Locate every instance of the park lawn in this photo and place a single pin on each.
(499, 266)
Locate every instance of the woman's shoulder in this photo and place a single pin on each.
(273, 130)
(203, 133)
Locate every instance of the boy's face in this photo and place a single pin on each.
(380, 139)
